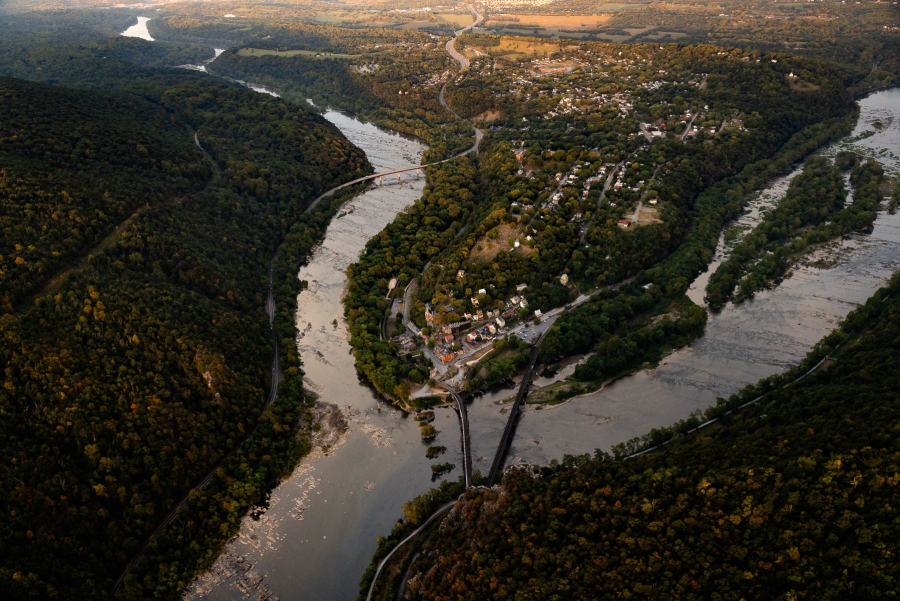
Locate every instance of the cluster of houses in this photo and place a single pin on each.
(465, 337)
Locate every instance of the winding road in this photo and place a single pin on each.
(411, 536)
(277, 376)
(479, 134)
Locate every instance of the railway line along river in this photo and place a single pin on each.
(317, 534)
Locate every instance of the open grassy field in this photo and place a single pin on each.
(331, 18)
(486, 249)
(666, 35)
(457, 20)
(801, 86)
(615, 7)
(513, 49)
(551, 21)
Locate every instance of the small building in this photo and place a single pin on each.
(501, 323)
(460, 274)
(537, 313)
(564, 279)
(457, 327)
(624, 224)
(491, 328)
(521, 287)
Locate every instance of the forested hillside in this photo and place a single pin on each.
(127, 380)
(74, 165)
(791, 498)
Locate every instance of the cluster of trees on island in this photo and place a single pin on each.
(811, 212)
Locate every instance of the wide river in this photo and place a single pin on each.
(139, 30)
(318, 532)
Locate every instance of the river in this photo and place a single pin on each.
(322, 524)
(139, 30)
(317, 533)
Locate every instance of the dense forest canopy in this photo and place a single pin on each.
(139, 227)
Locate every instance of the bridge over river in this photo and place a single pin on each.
(381, 175)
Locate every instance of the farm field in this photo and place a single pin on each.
(550, 21)
(514, 49)
(457, 20)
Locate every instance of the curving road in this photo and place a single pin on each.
(412, 535)
(451, 50)
(359, 180)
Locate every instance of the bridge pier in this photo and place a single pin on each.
(398, 178)
(417, 174)
(380, 180)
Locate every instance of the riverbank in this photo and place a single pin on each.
(361, 485)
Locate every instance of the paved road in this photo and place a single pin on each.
(407, 299)
(473, 148)
(451, 50)
(464, 424)
(688, 128)
(412, 535)
(603, 192)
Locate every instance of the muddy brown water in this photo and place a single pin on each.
(317, 534)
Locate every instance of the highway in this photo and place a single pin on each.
(451, 50)
(359, 180)
(463, 63)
